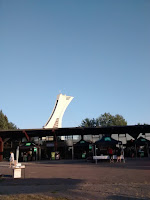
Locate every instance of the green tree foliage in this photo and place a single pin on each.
(105, 119)
(109, 120)
(89, 123)
(4, 123)
(142, 124)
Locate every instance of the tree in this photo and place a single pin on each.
(4, 123)
(105, 119)
(89, 123)
(142, 124)
(109, 120)
(118, 120)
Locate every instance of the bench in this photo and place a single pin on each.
(106, 157)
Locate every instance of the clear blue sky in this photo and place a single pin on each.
(97, 51)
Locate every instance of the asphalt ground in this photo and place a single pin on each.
(80, 180)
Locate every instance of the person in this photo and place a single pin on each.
(110, 152)
(132, 152)
(24, 157)
(11, 159)
(21, 156)
(119, 155)
(28, 156)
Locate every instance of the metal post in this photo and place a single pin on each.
(136, 150)
(95, 155)
(1, 149)
(72, 149)
(95, 150)
(39, 152)
(147, 147)
(72, 152)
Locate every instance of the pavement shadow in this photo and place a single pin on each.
(36, 185)
(121, 197)
(66, 188)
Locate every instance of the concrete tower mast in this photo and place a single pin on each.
(55, 120)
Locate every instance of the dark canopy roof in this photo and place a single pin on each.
(107, 141)
(134, 131)
(142, 141)
(28, 145)
(82, 143)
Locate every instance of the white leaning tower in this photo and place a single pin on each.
(55, 120)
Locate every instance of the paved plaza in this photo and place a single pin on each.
(81, 180)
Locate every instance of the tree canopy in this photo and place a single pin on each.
(89, 123)
(142, 124)
(105, 119)
(4, 123)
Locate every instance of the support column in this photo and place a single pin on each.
(1, 149)
(39, 152)
(72, 149)
(72, 152)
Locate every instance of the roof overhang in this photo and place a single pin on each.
(134, 131)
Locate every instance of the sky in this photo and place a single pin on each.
(97, 51)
